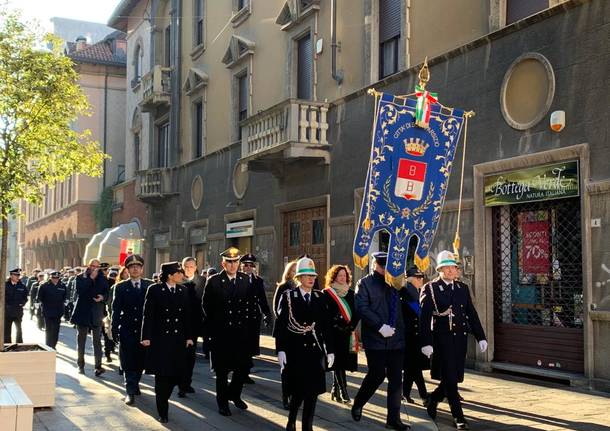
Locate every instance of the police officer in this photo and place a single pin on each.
(415, 361)
(70, 289)
(127, 310)
(378, 305)
(447, 316)
(258, 308)
(33, 279)
(16, 295)
(52, 299)
(194, 285)
(304, 343)
(167, 333)
(225, 308)
(34, 307)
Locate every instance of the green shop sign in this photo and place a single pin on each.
(556, 181)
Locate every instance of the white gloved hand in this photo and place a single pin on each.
(330, 358)
(386, 331)
(281, 359)
(427, 350)
(483, 345)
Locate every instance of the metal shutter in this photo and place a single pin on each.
(389, 19)
(305, 68)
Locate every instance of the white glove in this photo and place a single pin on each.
(281, 359)
(330, 358)
(386, 331)
(427, 350)
(483, 345)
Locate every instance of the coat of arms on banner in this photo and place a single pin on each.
(411, 159)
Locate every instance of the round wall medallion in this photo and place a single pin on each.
(527, 91)
(240, 179)
(197, 192)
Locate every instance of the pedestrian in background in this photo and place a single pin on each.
(166, 333)
(447, 317)
(286, 283)
(415, 361)
(378, 305)
(16, 295)
(344, 319)
(52, 297)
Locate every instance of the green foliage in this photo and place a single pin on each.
(40, 101)
(103, 210)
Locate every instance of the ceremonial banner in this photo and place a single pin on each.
(407, 179)
(129, 247)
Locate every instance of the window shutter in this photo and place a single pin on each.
(305, 68)
(243, 97)
(389, 19)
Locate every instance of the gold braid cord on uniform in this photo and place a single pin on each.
(295, 327)
(447, 312)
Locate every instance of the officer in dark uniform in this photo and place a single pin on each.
(52, 299)
(71, 292)
(258, 308)
(447, 316)
(225, 308)
(167, 333)
(415, 361)
(194, 285)
(32, 279)
(304, 343)
(127, 311)
(16, 295)
(34, 306)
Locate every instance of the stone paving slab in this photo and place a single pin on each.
(492, 401)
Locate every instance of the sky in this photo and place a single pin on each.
(86, 10)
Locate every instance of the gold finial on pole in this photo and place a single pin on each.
(424, 74)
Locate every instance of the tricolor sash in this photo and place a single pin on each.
(346, 313)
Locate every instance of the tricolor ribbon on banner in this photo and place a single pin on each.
(423, 108)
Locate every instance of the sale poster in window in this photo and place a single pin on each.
(535, 243)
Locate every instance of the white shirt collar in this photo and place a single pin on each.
(170, 286)
(304, 292)
(447, 282)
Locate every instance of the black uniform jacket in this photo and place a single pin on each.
(167, 324)
(15, 299)
(194, 289)
(52, 298)
(448, 336)
(258, 306)
(305, 352)
(127, 314)
(226, 323)
(342, 332)
(87, 312)
(414, 358)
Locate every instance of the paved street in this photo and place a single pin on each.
(492, 403)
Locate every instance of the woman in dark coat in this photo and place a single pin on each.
(304, 344)
(342, 313)
(414, 360)
(287, 283)
(167, 332)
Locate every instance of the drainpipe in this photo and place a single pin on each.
(337, 76)
(105, 126)
(175, 80)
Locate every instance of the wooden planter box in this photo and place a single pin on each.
(33, 367)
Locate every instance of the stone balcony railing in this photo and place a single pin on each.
(156, 86)
(157, 183)
(294, 129)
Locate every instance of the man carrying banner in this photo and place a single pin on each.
(447, 316)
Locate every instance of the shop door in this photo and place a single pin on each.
(305, 233)
(538, 292)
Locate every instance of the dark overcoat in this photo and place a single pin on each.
(194, 289)
(342, 332)
(87, 312)
(449, 342)
(52, 298)
(16, 295)
(258, 307)
(226, 323)
(414, 359)
(167, 324)
(127, 312)
(305, 353)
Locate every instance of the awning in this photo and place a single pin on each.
(110, 246)
(93, 247)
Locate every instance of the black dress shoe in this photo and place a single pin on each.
(356, 413)
(224, 411)
(409, 399)
(431, 408)
(248, 380)
(426, 400)
(130, 399)
(460, 423)
(239, 403)
(163, 420)
(181, 394)
(398, 425)
(99, 372)
(190, 390)
(81, 370)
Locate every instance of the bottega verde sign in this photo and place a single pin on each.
(541, 183)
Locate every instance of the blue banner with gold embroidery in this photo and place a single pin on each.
(406, 181)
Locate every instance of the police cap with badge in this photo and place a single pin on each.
(55, 274)
(16, 271)
(248, 258)
(381, 257)
(169, 268)
(231, 254)
(133, 259)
